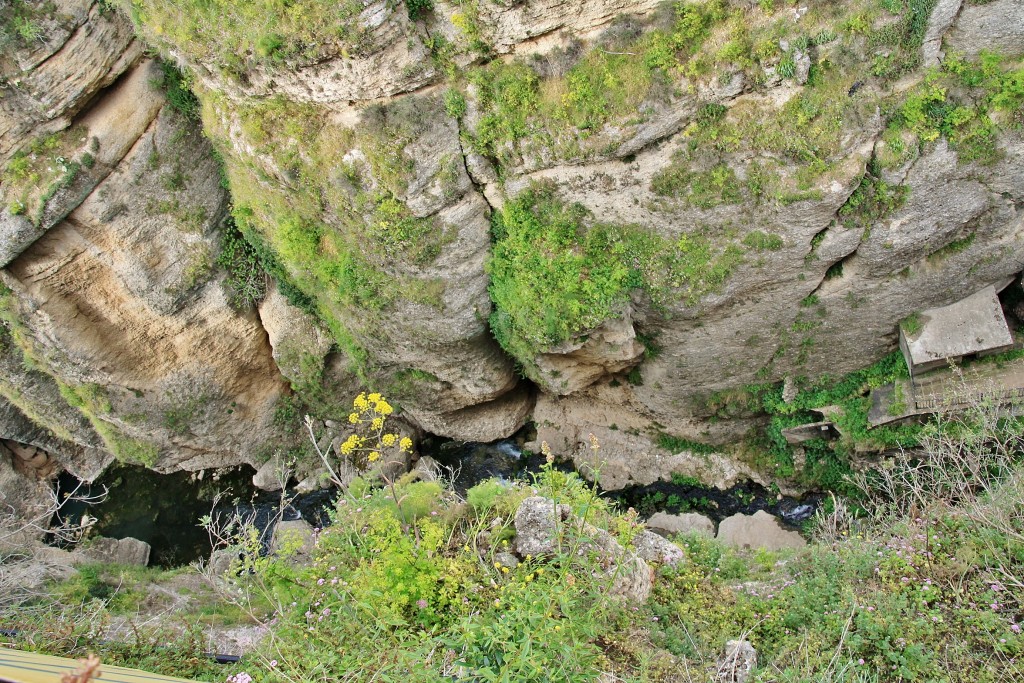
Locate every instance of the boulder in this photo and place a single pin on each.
(268, 476)
(117, 551)
(737, 663)
(428, 469)
(538, 521)
(666, 524)
(653, 548)
(220, 561)
(759, 530)
(545, 529)
(295, 537)
(25, 507)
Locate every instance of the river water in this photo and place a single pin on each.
(165, 510)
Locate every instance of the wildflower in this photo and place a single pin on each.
(273, 663)
(504, 570)
(389, 440)
(860, 661)
(383, 408)
(327, 611)
(374, 456)
(405, 444)
(353, 418)
(377, 423)
(319, 582)
(360, 402)
(1015, 628)
(421, 603)
(497, 602)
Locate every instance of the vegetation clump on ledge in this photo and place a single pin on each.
(556, 272)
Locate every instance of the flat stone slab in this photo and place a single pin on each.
(665, 523)
(972, 325)
(759, 530)
(117, 551)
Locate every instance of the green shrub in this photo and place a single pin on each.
(417, 8)
(762, 241)
(484, 495)
(555, 273)
(247, 279)
(179, 93)
(454, 103)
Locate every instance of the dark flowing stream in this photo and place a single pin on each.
(165, 510)
(474, 462)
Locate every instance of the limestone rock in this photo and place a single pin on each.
(295, 536)
(737, 663)
(544, 529)
(268, 476)
(997, 26)
(609, 349)
(506, 560)
(653, 548)
(802, 61)
(428, 468)
(120, 300)
(300, 345)
(687, 522)
(537, 522)
(120, 297)
(75, 61)
(941, 19)
(488, 421)
(116, 551)
(26, 506)
(221, 561)
(760, 530)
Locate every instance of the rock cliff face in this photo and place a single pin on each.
(639, 206)
(119, 339)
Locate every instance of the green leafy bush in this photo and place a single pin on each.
(556, 273)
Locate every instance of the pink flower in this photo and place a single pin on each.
(421, 603)
(273, 662)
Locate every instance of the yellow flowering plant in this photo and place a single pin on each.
(370, 440)
(370, 444)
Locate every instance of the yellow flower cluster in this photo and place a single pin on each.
(364, 404)
(349, 445)
(372, 410)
